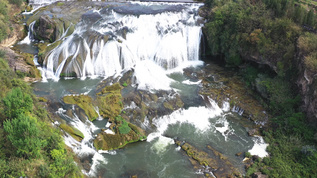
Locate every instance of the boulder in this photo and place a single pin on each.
(45, 29)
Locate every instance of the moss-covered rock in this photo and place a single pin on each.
(84, 102)
(75, 133)
(225, 85)
(109, 101)
(42, 99)
(44, 49)
(33, 71)
(220, 165)
(105, 141)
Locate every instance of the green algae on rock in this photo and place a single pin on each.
(109, 101)
(108, 141)
(220, 165)
(223, 85)
(75, 133)
(84, 102)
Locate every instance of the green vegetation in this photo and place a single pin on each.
(124, 84)
(110, 105)
(4, 18)
(29, 145)
(23, 133)
(123, 126)
(16, 103)
(109, 101)
(60, 4)
(75, 133)
(7, 9)
(16, 2)
(278, 33)
(85, 103)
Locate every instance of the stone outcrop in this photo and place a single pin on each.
(225, 86)
(85, 103)
(218, 164)
(22, 64)
(45, 29)
(307, 83)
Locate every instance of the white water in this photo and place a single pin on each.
(155, 45)
(259, 147)
(85, 147)
(28, 39)
(196, 116)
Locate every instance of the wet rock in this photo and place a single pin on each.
(45, 29)
(86, 165)
(84, 102)
(126, 79)
(226, 87)
(220, 165)
(109, 101)
(42, 99)
(239, 154)
(106, 141)
(75, 133)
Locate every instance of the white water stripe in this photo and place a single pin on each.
(170, 40)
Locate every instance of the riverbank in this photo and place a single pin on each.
(29, 145)
(271, 47)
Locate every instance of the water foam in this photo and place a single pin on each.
(153, 44)
(85, 147)
(259, 147)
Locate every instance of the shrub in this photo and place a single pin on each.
(16, 103)
(24, 133)
(311, 61)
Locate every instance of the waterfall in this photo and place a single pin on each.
(124, 38)
(28, 39)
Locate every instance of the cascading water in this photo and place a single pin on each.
(163, 41)
(155, 41)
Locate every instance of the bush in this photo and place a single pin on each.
(62, 165)
(24, 133)
(16, 103)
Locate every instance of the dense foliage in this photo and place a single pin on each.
(279, 34)
(29, 145)
(3, 19)
(6, 15)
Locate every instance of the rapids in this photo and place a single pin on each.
(156, 41)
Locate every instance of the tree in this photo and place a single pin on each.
(310, 18)
(16, 102)
(24, 133)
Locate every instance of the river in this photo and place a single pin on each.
(155, 42)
